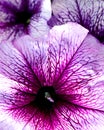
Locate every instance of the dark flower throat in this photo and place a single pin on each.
(23, 17)
(45, 98)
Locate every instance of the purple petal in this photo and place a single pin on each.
(70, 60)
(39, 28)
(76, 64)
(19, 65)
(64, 41)
(88, 13)
(24, 17)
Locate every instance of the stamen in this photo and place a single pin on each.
(48, 97)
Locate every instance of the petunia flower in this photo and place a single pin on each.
(88, 13)
(56, 83)
(19, 17)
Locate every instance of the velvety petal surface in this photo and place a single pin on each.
(68, 59)
(21, 17)
(88, 13)
(38, 28)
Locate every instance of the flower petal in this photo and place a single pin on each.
(73, 117)
(90, 74)
(24, 17)
(64, 42)
(76, 66)
(19, 66)
(46, 9)
(70, 60)
(87, 13)
(38, 28)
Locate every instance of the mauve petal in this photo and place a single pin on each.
(30, 47)
(77, 68)
(13, 25)
(36, 54)
(58, 34)
(6, 126)
(64, 42)
(70, 60)
(88, 13)
(6, 122)
(87, 68)
(38, 28)
(72, 11)
(73, 117)
(46, 10)
(16, 66)
(87, 72)
(24, 61)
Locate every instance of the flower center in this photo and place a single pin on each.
(23, 17)
(45, 98)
